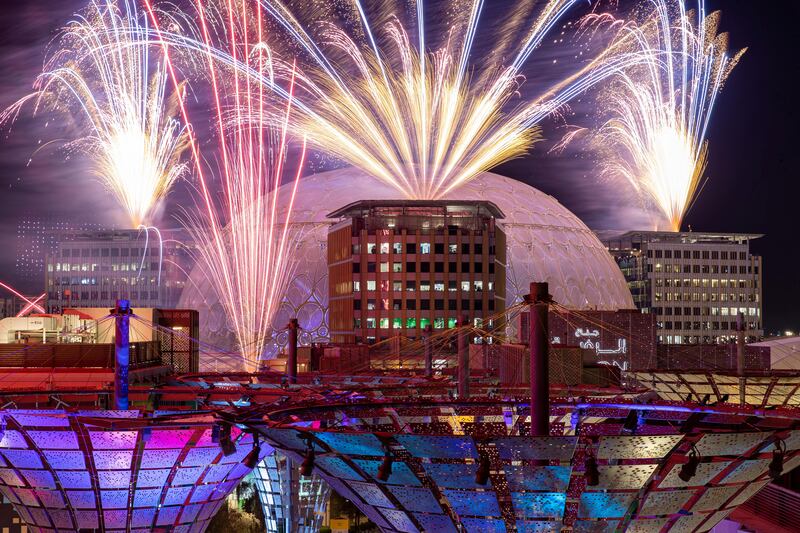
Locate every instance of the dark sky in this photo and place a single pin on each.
(753, 163)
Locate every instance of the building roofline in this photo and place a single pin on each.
(349, 209)
(699, 235)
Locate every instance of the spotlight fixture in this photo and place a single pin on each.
(385, 468)
(221, 433)
(705, 400)
(776, 464)
(484, 467)
(307, 466)
(631, 422)
(251, 459)
(724, 398)
(590, 471)
(689, 468)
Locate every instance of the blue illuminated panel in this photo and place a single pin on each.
(539, 504)
(473, 503)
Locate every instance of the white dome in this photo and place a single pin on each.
(546, 242)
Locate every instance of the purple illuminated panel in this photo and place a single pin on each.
(138, 480)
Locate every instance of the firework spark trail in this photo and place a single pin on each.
(103, 68)
(243, 237)
(656, 140)
(422, 120)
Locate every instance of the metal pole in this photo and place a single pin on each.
(122, 349)
(291, 362)
(540, 360)
(740, 327)
(463, 360)
(426, 336)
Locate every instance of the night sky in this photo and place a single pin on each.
(753, 160)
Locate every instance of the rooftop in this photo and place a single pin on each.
(450, 208)
(677, 236)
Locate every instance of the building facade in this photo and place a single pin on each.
(397, 266)
(94, 269)
(695, 283)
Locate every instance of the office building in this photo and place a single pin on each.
(95, 268)
(695, 283)
(397, 266)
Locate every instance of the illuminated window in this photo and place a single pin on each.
(384, 247)
(411, 323)
(371, 247)
(397, 247)
(371, 285)
(397, 323)
(438, 286)
(465, 286)
(384, 267)
(384, 323)
(438, 323)
(424, 247)
(397, 267)
(397, 285)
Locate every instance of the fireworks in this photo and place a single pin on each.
(422, 119)
(103, 68)
(243, 237)
(656, 139)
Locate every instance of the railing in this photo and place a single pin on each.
(776, 505)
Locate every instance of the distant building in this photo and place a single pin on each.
(94, 269)
(397, 266)
(37, 238)
(695, 283)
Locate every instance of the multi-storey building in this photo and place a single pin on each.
(38, 237)
(94, 269)
(695, 283)
(397, 266)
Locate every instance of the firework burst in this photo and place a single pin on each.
(243, 236)
(421, 116)
(656, 138)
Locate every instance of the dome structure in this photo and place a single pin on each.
(546, 242)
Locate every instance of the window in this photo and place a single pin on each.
(464, 267)
(465, 286)
(397, 285)
(411, 248)
(452, 248)
(452, 266)
(411, 305)
(371, 285)
(667, 254)
(425, 266)
(424, 323)
(478, 248)
(452, 286)
(370, 304)
(438, 305)
(411, 323)
(714, 254)
(465, 248)
(411, 286)
(478, 268)
(356, 286)
(438, 267)
(384, 266)
(465, 305)
(478, 305)
(424, 286)
(425, 305)
(438, 286)
(397, 267)
(397, 247)
(384, 323)
(357, 304)
(384, 247)
(452, 322)
(371, 267)
(438, 248)
(695, 254)
(478, 286)
(397, 323)
(438, 323)
(452, 305)
(424, 247)
(411, 266)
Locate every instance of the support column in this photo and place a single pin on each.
(122, 349)
(539, 359)
(426, 339)
(740, 330)
(463, 359)
(291, 361)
